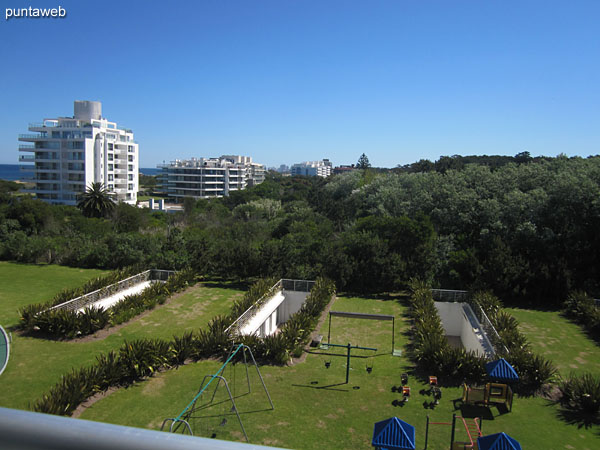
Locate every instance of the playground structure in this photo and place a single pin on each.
(490, 394)
(349, 348)
(472, 428)
(194, 410)
(393, 434)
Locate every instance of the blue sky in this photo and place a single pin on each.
(285, 81)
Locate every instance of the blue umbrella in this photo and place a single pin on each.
(393, 434)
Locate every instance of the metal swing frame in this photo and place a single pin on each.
(183, 417)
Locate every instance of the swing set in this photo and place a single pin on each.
(198, 404)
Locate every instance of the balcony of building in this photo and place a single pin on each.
(32, 137)
(40, 126)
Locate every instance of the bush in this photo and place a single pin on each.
(65, 324)
(581, 308)
(430, 348)
(581, 393)
(142, 358)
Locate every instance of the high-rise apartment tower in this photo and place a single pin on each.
(67, 154)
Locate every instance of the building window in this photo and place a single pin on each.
(110, 156)
(110, 177)
(130, 148)
(130, 177)
(130, 158)
(110, 146)
(130, 187)
(130, 167)
(110, 167)
(111, 187)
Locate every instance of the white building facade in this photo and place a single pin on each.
(209, 177)
(313, 168)
(67, 154)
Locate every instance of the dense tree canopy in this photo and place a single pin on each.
(527, 228)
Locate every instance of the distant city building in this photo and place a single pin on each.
(69, 153)
(209, 177)
(283, 168)
(312, 168)
(343, 169)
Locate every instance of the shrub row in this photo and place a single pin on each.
(581, 394)
(65, 324)
(430, 349)
(581, 308)
(142, 358)
(534, 370)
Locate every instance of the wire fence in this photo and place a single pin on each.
(106, 291)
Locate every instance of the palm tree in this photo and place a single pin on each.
(96, 201)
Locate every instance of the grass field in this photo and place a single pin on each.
(24, 284)
(314, 408)
(560, 340)
(36, 365)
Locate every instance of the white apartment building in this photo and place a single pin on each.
(312, 168)
(69, 153)
(209, 177)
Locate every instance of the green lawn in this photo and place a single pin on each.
(560, 340)
(313, 406)
(36, 365)
(23, 284)
(314, 409)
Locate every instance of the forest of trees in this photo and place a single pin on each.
(526, 228)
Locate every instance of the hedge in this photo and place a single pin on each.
(67, 324)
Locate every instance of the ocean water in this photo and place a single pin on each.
(150, 171)
(11, 172)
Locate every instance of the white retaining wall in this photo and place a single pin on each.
(456, 323)
(274, 312)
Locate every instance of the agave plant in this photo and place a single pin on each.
(581, 393)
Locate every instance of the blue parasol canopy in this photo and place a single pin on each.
(498, 441)
(393, 434)
(501, 370)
